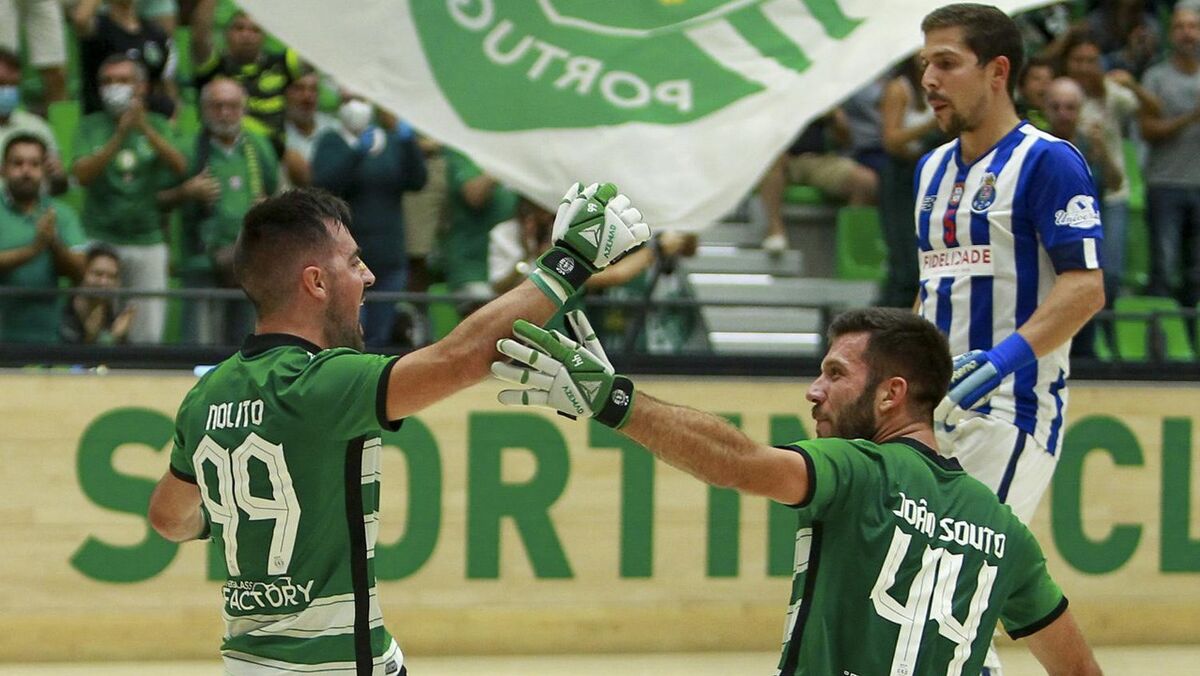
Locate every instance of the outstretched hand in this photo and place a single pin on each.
(574, 379)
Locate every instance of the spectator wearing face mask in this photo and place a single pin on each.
(370, 160)
(125, 156)
(15, 120)
(119, 29)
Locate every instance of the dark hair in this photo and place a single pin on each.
(275, 233)
(901, 344)
(139, 68)
(987, 31)
(1074, 40)
(1036, 62)
(100, 249)
(10, 58)
(20, 138)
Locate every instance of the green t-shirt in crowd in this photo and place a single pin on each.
(33, 320)
(246, 172)
(465, 244)
(904, 565)
(121, 206)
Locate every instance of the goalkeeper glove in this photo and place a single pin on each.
(561, 374)
(594, 226)
(978, 373)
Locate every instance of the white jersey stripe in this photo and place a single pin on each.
(243, 664)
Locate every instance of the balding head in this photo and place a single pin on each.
(223, 103)
(1064, 99)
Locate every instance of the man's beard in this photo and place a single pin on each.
(857, 421)
(340, 332)
(23, 190)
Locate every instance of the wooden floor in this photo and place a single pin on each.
(1117, 661)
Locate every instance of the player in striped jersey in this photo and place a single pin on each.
(1008, 228)
(277, 448)
(904, 563)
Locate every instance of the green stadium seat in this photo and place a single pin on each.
(443, 316)
(1133, 332)
(63, 117)
(804, 194)
(861, 253)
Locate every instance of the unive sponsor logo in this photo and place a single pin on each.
(965, 261)
(1080, 212)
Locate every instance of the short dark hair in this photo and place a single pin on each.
(23, 138)
(277, 231)
(139, 68)
(988, 32)
(1076, 39)
(1036, 62)
(901, 344)
(100, 250)
(10, 58)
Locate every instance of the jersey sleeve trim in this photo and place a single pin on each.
(1083, 254)
(812, 477)
(182, 476)
(381, 397)
(1042, 623)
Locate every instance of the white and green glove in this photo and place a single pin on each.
(594, 226)
(575, 380)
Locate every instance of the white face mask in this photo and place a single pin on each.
(116, 97)
(355, 115)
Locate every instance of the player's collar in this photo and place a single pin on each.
(939, 459)
(259, 343)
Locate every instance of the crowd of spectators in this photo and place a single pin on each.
(161, 200)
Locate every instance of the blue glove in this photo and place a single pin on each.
(366, 141)
(978, 373)
(403, 131)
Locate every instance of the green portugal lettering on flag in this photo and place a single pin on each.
(682, 103)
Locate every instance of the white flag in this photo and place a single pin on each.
(681, 103)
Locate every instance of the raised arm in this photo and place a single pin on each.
(463, 357)
(576, 379)
(717, 453)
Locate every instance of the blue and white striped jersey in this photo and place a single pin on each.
(993, 236)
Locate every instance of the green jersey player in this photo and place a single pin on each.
(904, 563)
(277, 449)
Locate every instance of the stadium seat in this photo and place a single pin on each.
(804, 194)
(1136, 316)
(861, 253)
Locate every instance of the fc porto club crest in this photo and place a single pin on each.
(986, 193)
